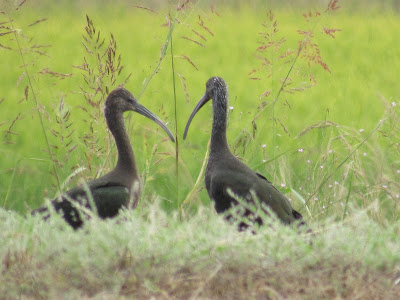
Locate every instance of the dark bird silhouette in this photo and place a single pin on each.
(119, 188)
(225, 172)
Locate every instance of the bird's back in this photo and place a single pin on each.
(230, 173)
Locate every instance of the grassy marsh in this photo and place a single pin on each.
(170, 250)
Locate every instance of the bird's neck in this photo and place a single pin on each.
(219, 143)
(126, 159)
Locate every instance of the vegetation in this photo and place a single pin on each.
(321, 123)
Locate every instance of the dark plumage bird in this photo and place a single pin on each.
(119, 188)
(224, 171)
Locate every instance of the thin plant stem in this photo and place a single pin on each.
(176, 120)
(199, 178)
(36, 103)
(348, 197)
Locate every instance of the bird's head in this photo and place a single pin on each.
(216, 88)
(121, 100)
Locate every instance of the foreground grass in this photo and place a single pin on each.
(148, 254)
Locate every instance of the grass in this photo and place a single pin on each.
(325, 147)
(148, 253)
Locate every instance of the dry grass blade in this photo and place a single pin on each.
(146, 8)
(5, 47)
(189, 60)
(196, 42)
(201, 23)
(38, 21)
(47, 71)
(183, 82)
(19, 5)
(322, 124)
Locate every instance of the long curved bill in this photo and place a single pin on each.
(148, 114)
(199, 105)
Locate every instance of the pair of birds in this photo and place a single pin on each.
(232, 185)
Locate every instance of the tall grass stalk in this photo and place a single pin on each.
(36, 102)
(199, 181)
(175, 115)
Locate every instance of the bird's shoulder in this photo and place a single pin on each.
(102, 185)
(239, 177)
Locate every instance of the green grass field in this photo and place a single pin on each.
(329, 142)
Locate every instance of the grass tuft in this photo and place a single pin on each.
(151, 254)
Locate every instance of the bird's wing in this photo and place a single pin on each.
(241, 183)
(108, 200)
(295, 213)
(108, 196)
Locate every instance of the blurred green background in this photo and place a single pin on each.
(336, 110)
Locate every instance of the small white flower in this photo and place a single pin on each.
(321, 167)
(264, 160)
(365, 154)
(394, 104)
(301, 150)
(362, 130)
(384, 186)
(336, 183)
(263, 145)
(283, 185)
(330, 151)
(231, 107)
(308, 161)
(316, 198)
(330, 185)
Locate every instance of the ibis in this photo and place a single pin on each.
(120, 187)
(231, 185)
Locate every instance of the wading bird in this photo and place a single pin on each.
(119, 188)
(227, 176)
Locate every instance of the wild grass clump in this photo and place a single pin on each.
(148, 253)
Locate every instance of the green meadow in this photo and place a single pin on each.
(321, 123)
